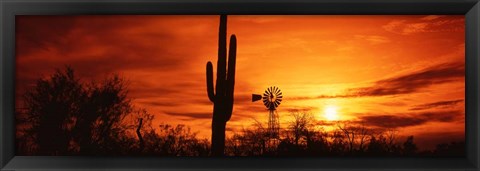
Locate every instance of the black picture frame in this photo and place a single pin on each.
(10, 8)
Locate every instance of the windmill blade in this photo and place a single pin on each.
(265, 102)
(267, 105)
(277, 102)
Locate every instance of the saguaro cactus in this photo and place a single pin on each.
(222, 98)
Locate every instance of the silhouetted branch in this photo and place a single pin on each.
(142, 144)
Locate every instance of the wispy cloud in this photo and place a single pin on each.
(300, 108)
(393, 103)
(394, 26)
(440, 104)
(431, 23)
(373, 39)
(191, 115)
(412, 82)
(431, 17)
(409, 119)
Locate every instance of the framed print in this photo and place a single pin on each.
(315, 85)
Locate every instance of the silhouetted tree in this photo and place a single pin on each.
(317, 143)
(363, 135)
(389, 137)
(67, 115)
(64, 116)
(356, 135)
(452, 149)
(287, 147)
(175, 141)
(249, 142)
(129, 128)
(301, 126)
(375, 147)
(25, 141)
(51, 106)
(99, 121)
(409, 147)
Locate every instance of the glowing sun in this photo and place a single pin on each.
(330, 113)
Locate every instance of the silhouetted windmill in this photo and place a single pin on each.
(271, 99)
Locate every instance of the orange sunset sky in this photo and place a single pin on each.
(386, 71)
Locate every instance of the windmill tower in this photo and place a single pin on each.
(271, 99)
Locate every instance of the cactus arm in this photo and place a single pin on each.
(232, 54)
(211, 94)
(222, 59)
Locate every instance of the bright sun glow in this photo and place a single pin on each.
(331, 113)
